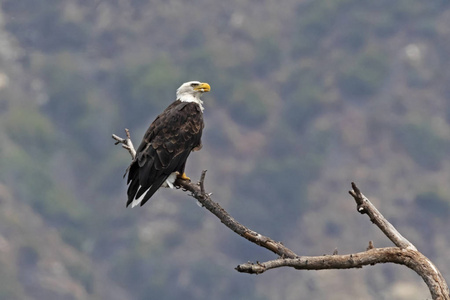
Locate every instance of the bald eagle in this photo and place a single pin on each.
(165, 147)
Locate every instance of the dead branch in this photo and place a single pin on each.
(410, 258)
(364, 206)
(348, 261)
(405, 253)
(198, 192)
(230, 222)
(126, 143)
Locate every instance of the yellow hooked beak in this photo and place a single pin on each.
(203, 87)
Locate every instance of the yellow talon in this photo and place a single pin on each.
(184, 177)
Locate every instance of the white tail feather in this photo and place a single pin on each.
(136, 202)
(170, 180)
(168, 183)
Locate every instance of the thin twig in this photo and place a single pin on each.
(126, 143)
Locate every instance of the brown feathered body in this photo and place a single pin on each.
(164, 149)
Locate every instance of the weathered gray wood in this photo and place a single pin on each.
(405, 253)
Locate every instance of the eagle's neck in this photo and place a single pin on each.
(191, 98)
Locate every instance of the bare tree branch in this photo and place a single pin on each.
(126, 143)
(230, 222)
(408, 257)
(347, 261)
(405, 253)
(198, 192)
(364, 206)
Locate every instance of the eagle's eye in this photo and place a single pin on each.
(194, 84)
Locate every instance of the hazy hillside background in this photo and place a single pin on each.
(306, 97)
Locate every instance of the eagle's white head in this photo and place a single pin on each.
(191, 92)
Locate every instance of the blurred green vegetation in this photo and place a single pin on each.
(268, 56)
(67, 89)
(423, 145)
(304, 107)
(82, 274)
(31, 130)
(280, 183)
(316, 19)
(10, 287)
(247, 106)
(364, 74)
(143, 88)
(436, 202)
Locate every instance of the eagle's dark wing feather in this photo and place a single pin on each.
(164, 149)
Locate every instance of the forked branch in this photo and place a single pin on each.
(405, 253)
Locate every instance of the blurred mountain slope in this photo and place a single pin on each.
(306, 97)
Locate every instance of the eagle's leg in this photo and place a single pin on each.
(183, 176)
